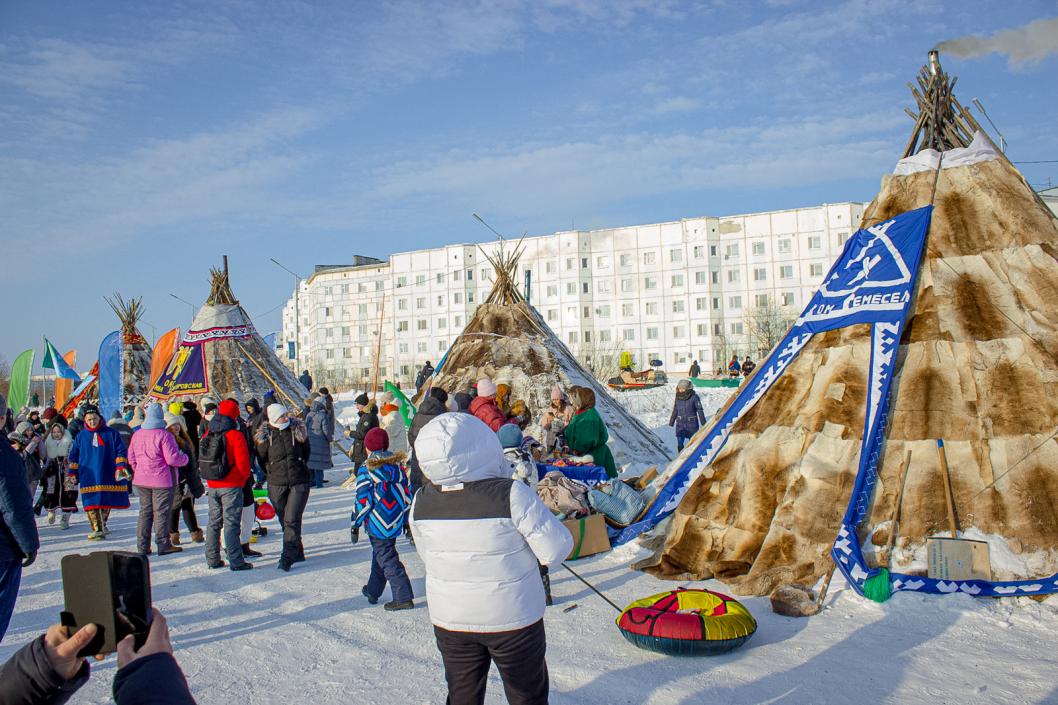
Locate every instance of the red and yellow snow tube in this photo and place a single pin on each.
(687, 623)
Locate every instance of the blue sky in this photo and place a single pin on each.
(141, 141)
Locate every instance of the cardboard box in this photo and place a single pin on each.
(958, 559)
(589, 536)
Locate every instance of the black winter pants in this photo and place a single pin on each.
(289, 502)
(519, 657)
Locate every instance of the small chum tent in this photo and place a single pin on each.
(223, 355)
(938, 322)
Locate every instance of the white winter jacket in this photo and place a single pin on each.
(393, 424)
(481, 534)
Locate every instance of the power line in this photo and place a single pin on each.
(1038, 161)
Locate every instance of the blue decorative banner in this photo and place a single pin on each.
(111, 374)
(871, 282)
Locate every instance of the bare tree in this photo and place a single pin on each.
(601, 359)
(766, 325)
(5, 375)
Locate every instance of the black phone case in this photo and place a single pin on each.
(111, 589)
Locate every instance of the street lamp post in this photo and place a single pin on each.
(297, 313)
(189, 304)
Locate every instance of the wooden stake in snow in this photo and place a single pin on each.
(378, 350)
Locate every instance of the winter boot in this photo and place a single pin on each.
(64, 522)
(197, 536)
(174, 538)
(395, 606)
(249, 552)
(51, 517)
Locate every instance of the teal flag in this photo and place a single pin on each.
(18, 390)
(54, 361)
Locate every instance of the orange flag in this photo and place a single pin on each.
(63, 387)
(164, 350)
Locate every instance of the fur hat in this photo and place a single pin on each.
(376, 439)
(361, 399)
(439, 394)
(16, 437)
(189, 406)
(683, 384)
(486, 388)
(175, 420)
(155, 417)
(24, 428)
(510, 436)
(49, 414)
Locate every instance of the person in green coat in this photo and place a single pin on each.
(586, 433)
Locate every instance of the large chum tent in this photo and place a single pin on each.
(222, 355)
(930, 327)
(508, 341)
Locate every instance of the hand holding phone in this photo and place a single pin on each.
(110, 590)
(157, 641)
(62, 649)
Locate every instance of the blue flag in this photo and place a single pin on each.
(111, 374)
(54, 361)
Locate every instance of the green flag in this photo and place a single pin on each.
(18, 390)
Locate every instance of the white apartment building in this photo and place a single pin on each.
(674, 292)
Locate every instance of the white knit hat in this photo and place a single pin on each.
(275, 411)
(486, 387)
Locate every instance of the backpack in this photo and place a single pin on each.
(213, 457)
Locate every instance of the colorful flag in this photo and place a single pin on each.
(63, 387)
(163, 353)
(18, 387)
(111, 374)
(53, 361)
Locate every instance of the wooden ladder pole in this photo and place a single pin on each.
(948, 498)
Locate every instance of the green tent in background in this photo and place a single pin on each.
(18, 390)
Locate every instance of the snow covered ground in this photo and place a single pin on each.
(265, 636)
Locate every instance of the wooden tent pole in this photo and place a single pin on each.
(378, 350)
(296, 405)
(948, 498)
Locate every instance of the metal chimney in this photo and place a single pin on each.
(934, 62)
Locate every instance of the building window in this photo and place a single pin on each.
(552, 290)
(731, 251)
(698, 251)
(573, 337)
(440, 300)
(380, 285)
(760, 274)
(587, 313)
(815, 270)
(786, 271)
(458, 321)
(736, 329)
(440, 277)
(679, 332)
(758, 247)
(604, 336)
(734, 302)
(716, 303)
(699, 304)
(602, 262)
(571, 288)
(420, 346)
(626, 260)
(700, 331)
(552, 314)
(470, 297)
(420, 302)
(442, 345)
(330, 333)
(629, 334)
(584, 265)
(402, 282)
(650, 283)
(675, 255)
(402, 304)
(604, 286)
(714, 277)
(627, 285)
(603, 311)
(549, 267)
(842, 238)
(470, 275)
(712, 250)
(717, 329)
(584, 287)
(347, 352)
(699, 277)
(815, 243)
(457, 298)
(329, 354)
(420, 279)
(362, 309)
(677, 280)
(571, 263)
(784, 247)
(650, 257)
(402, 326)
(733, 276)
(587, 336)
(787, 298)
(442, 323)
(402, 348)
(628, 310)
(345, 331)
(652, 333)
(761, 300)
(651, 309)
(678, 306)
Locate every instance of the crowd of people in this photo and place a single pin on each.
(457, 482)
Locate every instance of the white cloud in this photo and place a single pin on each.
(677, 104)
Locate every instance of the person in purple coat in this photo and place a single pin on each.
(687, 413)
(154, 457)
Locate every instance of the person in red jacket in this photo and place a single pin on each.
(484, 405)
(225, 495)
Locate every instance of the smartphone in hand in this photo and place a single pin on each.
(111, 589)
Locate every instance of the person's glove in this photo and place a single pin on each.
(28, 558)
(354, 534)
(70, 483)
(124, 474)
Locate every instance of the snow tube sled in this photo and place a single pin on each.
(687, 623)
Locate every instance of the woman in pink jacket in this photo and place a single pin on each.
(154, 456)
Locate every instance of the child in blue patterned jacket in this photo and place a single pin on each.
(383, 496)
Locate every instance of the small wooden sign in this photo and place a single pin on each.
(958, 559)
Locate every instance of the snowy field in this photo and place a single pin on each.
(307, 636)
